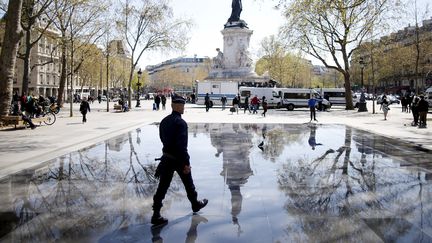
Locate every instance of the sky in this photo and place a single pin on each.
(209, 17)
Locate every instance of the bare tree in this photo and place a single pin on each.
(9, 50)
(35, 24)
(77, 22)
(333, 29)
(150, 26)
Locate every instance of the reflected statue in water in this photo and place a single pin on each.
(234, 142)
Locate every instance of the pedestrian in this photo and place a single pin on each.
(99, 97)
(207, 102)
(163, 101)
(404, 103)
(84, 107)
(235, 103)
(255, 102)
(414, 110)
(157, 101)
(312, 107)
(246, 104)
(422, 107)
(173, 133)
(264, 105)
(224, 101)
(385, 106)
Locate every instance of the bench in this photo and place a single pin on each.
(117, 107)
(12, 120)
(18, 121)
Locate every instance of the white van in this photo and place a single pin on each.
(428, 96)
(336, 96)
(292, 97)
(271, 94)
(216, 89)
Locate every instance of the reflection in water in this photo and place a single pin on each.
(312, 140)
(234, 142)
(356, 186)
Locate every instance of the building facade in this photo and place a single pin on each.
(393, 61)
(44, 64)
(178, 74)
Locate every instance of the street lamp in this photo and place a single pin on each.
(362, 103)
(362, 66)
(138, 88)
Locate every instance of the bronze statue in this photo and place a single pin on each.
(236, 10)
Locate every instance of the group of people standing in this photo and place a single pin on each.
(158, 100)
(417, 104)
(253, 104)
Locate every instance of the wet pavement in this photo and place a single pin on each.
(265, 183)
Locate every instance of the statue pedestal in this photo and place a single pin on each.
(236, 64)
(236, 46)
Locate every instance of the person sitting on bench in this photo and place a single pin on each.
(17, 112)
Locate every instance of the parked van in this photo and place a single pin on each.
(428, 96)
(336, 96)
(216, 89)
(293, 97)
(271, 94)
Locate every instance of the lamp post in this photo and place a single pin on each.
(138, 88)
(362, 103)
(362, 66)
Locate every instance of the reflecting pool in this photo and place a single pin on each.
(264, 182)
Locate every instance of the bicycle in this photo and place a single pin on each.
(51, 117)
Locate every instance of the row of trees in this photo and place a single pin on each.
(292, 69)
(330, 31)
(80, 29)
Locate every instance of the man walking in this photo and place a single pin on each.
(207, 102)
(173, 133)
(422, 108)
(84, 107)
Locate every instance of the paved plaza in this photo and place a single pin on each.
(351, 177)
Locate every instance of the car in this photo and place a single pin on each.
(103, 98)
(391, 98)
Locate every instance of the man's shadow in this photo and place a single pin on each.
(191, 235)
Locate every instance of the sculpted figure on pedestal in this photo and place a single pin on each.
(218, 60)
(244, 58)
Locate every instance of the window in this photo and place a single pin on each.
(335, 94)
(275, 94)
(245, 93)
(296, 95)
(215, 86)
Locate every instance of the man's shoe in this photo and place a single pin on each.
(159, 220)
(199, 205)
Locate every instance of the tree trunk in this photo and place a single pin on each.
(348, 95)
(130, 82)
(12, 36)
(62, 77)
(27, 69)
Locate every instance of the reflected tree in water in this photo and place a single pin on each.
(338, 183)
